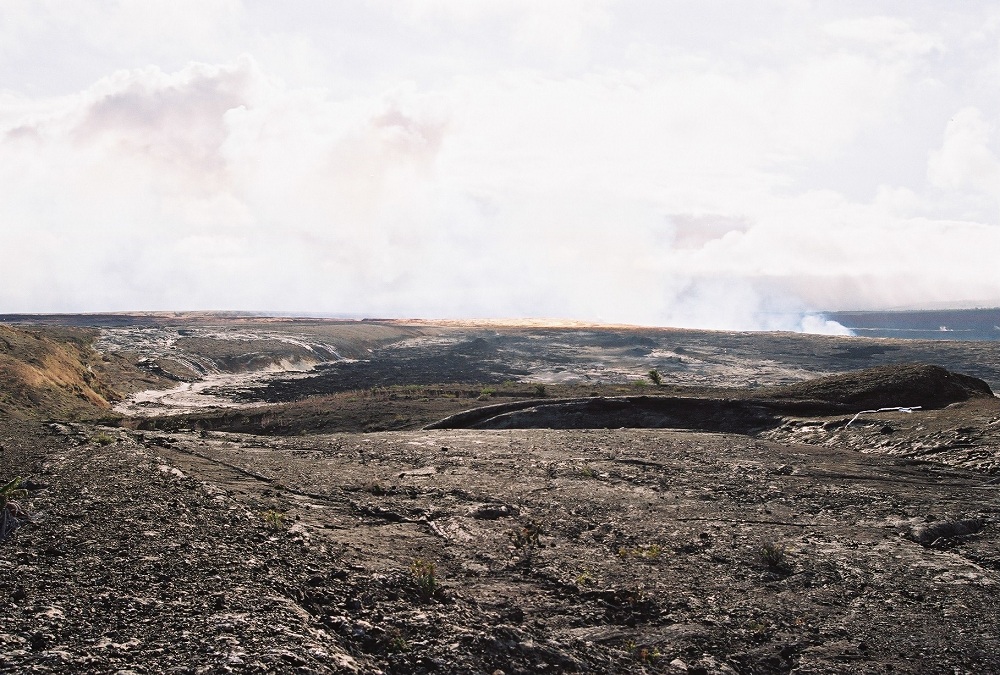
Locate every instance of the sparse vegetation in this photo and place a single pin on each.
(540, 391)
(655, 377)
(648, 654)
(273, 520)
(424, 577)
(102, 438)
(649, 551)
(398, 645)
(772, 556)
(642, 654)
(12, 515)
(12, 490)
(526, 539)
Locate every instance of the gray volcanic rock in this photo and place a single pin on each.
(929, 533)
(525, 551)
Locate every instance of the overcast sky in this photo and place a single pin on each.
(703, 163)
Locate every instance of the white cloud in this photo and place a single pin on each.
(890, 37)
(591, 160)
(966, 158)
(557, 28)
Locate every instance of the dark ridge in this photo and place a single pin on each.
(903, 385)
(882, 386)
(468, 419)
(639, 412)
(636, 412)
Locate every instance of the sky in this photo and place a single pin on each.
(699, 163)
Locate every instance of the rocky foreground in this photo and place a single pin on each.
(763, 529)
(521, 551)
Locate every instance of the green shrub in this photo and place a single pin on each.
(102, 438)
(650, 551)
(273, 520)
(643, 654)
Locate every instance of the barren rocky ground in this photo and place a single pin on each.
(290, 537)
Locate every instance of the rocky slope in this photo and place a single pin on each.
(525, 551)
(52, 371)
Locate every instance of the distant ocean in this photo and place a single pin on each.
(945, 324)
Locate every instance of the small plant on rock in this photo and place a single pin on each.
(102, 438)
(773, 557)
(398, 645)
(424, 576)
(273, 520)
(655, 376)
(647, 654)
(540, 390)
(642, 654)
(649, 551)
(12, 515)
(526, 540)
